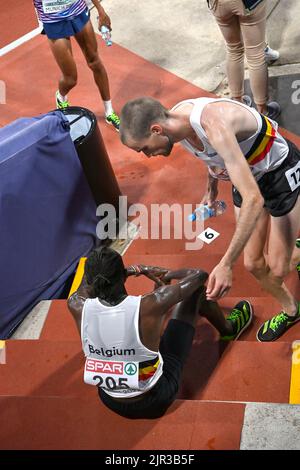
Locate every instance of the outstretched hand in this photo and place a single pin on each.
(219, 282)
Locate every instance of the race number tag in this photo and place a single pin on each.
(293, 176)
(55, 6)
(112, 375)
(208, 235)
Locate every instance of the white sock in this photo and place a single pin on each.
(108, 107)
(60, 97)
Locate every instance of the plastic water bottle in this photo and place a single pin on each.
(106, 35)
(203, 212)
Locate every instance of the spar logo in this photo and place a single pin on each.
(104, 367)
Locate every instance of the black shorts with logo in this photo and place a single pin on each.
(280, 196)
(174, 347)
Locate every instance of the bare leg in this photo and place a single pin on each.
(88, 44)
(213, 313)
(271, 273)
(284, 231)
(189, 309)
(62, 51)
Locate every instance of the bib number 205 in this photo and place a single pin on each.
(111, 382)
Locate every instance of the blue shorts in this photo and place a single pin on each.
(68, 27)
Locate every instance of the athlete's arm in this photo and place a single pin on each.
(220, 133)
(76, 301)
(162, 299)
(211, 191)
(152, 272)
(103, 16)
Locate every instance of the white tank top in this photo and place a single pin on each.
(263, 156)
(116, 359)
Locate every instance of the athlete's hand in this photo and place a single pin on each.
(155, 273)
(210, 196)
(219, 282)
(104, 19)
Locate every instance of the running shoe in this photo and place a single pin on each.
(246, 99)
(274, 328)
(273, 110)
(61, 104)
(240, 317)
(114, 120)
(271, 54)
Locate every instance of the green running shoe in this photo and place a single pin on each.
(61, 104)
(241, 317)
(274, 328)
(114, 120)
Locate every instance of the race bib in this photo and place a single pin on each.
(55, 6)
(293, 176)
(111, 375)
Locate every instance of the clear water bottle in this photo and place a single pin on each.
(106, 35)
(203, 212)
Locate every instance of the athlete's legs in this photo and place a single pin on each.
(283, 233)
(271, 272)
(62, 51)
(88, 44)
(187, 310)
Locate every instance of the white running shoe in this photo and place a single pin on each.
(271, 55)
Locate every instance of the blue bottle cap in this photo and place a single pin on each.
(192, 217)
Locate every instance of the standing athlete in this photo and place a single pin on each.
(239, 144)
(138, 372)
(65, 18)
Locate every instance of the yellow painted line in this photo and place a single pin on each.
(295, 374)
(78, 276)
(2, 352)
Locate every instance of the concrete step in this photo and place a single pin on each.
(31, 423)
(238, 371)
(85, 423)
(245, 371)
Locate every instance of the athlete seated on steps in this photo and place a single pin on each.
(137, 371)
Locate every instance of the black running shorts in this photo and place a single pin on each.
(280, 188)
(175, 346)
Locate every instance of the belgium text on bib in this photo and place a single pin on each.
(111, 375)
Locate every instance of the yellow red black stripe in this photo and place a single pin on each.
(148, 370)
(263, 142)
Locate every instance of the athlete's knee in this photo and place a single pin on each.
(255, 266)
(279, 268)
(94, 62)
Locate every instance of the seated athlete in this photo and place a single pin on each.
(137, 371)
